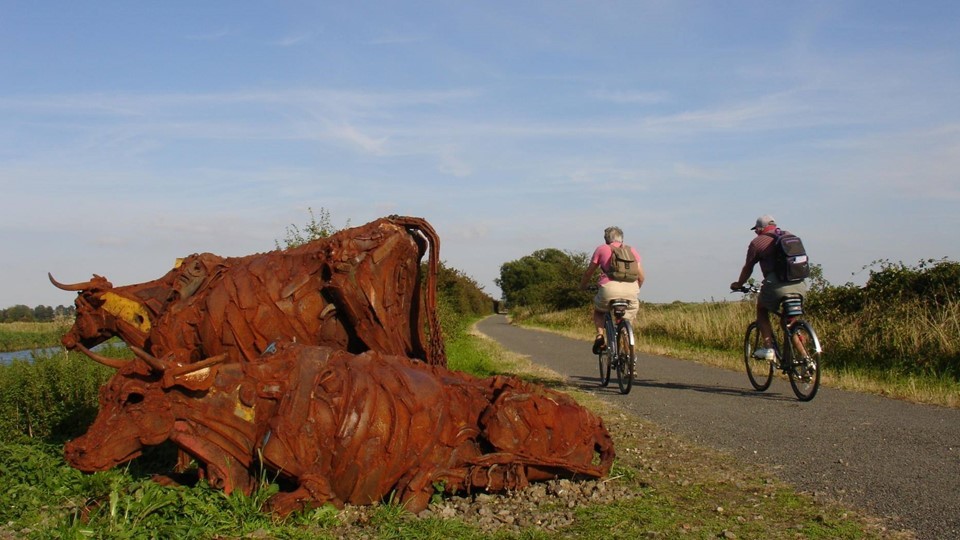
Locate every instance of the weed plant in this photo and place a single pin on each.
(51, 397)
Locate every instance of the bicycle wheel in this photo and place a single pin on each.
(759, 370)
(805, 367)
(625, 357)
(604, 360)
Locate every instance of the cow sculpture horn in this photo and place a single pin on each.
(115, 363)
(73, 287)
(152, 361)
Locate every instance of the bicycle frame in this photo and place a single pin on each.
(790, 314)
(620, 354)
(617, 312)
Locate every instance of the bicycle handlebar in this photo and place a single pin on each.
(747, 289)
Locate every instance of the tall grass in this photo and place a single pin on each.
(18, 336)
(903, 349)
(715, 325)
(904, 337)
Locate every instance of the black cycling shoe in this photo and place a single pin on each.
(598, 345)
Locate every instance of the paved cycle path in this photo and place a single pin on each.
(897, 460)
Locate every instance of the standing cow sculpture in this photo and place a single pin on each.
(357, 290)
(344, 428)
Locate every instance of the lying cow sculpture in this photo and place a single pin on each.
(357, 290)
(344, 428)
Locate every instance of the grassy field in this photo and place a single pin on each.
(18, 336)
(672, 488)
(857, 354)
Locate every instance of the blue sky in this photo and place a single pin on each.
(133, 133)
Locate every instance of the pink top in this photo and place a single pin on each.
(603, 254)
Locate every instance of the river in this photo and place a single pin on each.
(28, 354)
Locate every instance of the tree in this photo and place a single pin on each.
(548, 277)
(18, 313)
(43, 313)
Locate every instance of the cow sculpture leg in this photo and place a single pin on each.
(314, 491)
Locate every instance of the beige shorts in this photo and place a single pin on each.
(772, 290)
(618, 289)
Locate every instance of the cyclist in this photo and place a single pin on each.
(620, 277)
(761, 249)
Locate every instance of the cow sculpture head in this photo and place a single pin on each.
(130, 311)
(206, 408)
(134, 413)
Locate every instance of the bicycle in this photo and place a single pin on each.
(618, 352)
(798, 358)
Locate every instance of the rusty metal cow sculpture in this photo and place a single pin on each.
(344, 428)
(357, 290)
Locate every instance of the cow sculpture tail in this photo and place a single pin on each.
(436, 355)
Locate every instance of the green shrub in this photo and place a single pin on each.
(905, 319)
(460, 300)
(53, 397)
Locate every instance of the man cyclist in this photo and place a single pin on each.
(614, 282)
(761, 249)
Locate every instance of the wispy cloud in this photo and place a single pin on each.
(295, 39)
(396, 40)
(353, 136)
(636, 98)
(130, 103)
(695, 172)
(914, 164)
(610, 178)
(214, 35)
(773, 112)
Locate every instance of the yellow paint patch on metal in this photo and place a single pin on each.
(242, 411)
(128, 310)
